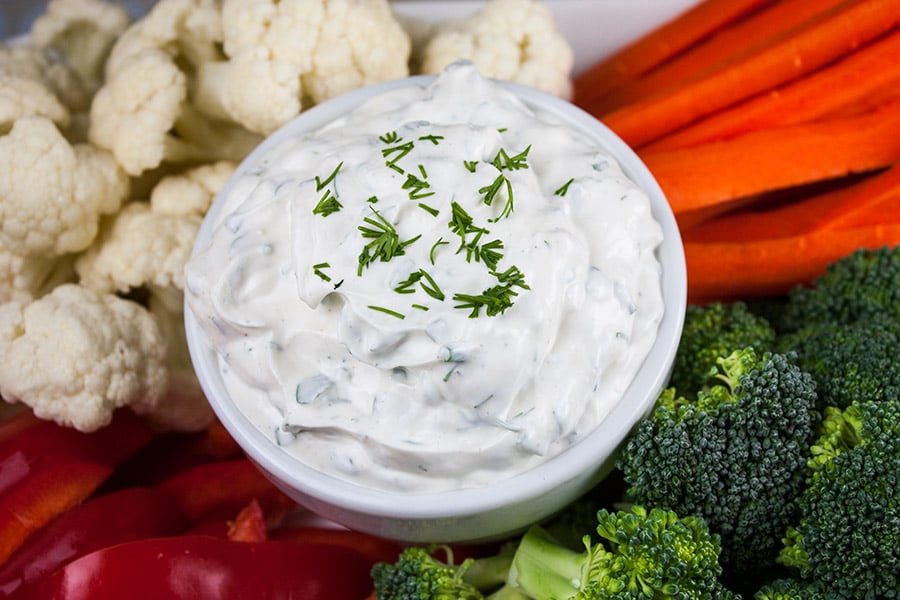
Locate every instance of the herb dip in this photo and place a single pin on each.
(439, 290)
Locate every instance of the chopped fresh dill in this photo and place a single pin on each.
(429, 209)
(503, 129)
(397, 168)
(390, 137)
(512, 163)
(372, 199)
(327, 205)
(470, 165)
(317, 269)
(419, 306)
(511, 277)
(508, 207)
(429, 285)
(564, 188)
(495, 300)
(491, 253)
(434, 139)
(434, 248)
(422, 171)
(385, 243)
(489, 191)
(322, 183)
(416, 187)
(400, 150)
(388, 311)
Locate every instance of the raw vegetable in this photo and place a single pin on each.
(773, 158)
(772, 266)
(732, 452)
(530, 50)
(122, 516)
(838, 88)
(789, 57)
(659, 46)
(867, 202)
(192, 567)
(845, 536)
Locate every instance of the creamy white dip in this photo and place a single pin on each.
(441, 289)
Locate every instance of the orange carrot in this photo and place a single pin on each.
(854, 24)
(659, 45)
(873, 70)
(727, 45)
(743, 270)
(873, 200)
(710, 177)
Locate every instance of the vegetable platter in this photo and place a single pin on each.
(772, 126)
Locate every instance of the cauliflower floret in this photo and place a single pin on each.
(139, 248)
(191, 192)
(82, 32)
(33, 83)
(25, 278)
(514, 40)
(75, 355)
(284, 54)
(52, 194)
(142, 113)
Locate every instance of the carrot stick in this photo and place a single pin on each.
(727, 45)
(867, 202)
(708, 178)
(856, 23)
(660, 44)
(729, 271)
(871, 71)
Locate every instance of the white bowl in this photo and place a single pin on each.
(468, 514)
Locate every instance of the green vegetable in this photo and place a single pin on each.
(847, 535)
(713, 331)
(419, 575)
(793, 589)
(640, 554)
(849, 361)
(862, 285)
(735, 455)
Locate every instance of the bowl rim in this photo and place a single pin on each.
(573, 462)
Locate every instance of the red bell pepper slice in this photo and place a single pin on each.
(220, 489)
(207, 568)
(249, 525)
(44, 495)
(121, 516)
(45, 442)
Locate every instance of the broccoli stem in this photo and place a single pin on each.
(543, 569)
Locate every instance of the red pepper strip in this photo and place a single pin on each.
(46, 442)
(122, 516)
(45, 494)
(13, 425)
(207, 568)
(170, 453)
(221, 489)
(374, 548)
(249, 525)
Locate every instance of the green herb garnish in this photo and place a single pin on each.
(322, 183)
(388, 311)
(327, 205)
(390, 137)
(470, 165)
(317, 269)
(385, 243)
(564, 188)
(434, 139)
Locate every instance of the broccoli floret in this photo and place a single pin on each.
(793, 589)
(419, 575)
(735, 456)
(712, 331)
(639, 554)
(854, 361)
(848, 531)
(861, 285)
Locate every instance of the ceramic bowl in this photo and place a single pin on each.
(465, 515)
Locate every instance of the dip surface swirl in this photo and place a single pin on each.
(439, 290)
